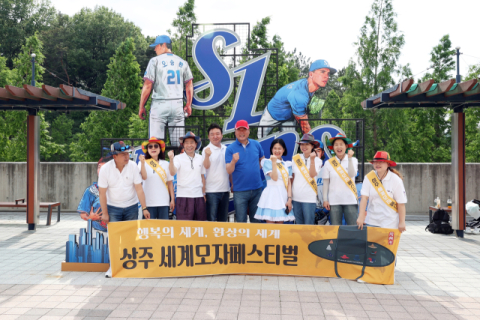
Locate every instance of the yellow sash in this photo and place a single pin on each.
(158, 169)
(305, 172)
(343, 175)
(284, 173)
(377, 184)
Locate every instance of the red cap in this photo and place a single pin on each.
(241, 124)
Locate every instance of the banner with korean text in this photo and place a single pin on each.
(171, 248)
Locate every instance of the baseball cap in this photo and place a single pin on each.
(319, 64)
(241, 124)
(161, 39)
(119, 147)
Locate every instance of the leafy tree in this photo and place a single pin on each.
(20, 19)
(13, 123)
(378, 49)
(123, 83)
(472, 123)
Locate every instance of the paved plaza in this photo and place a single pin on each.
(437, 277)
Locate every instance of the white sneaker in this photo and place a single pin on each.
(476, 230)
(360, 281)
(468, 230)
(108, 274)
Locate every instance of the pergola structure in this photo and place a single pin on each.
(448, 94)
(33, 100)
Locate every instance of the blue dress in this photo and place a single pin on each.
(271, 205)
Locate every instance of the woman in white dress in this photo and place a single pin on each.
(275, 204)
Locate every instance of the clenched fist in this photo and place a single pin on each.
(273, 159)
(235, 157)
(208, 152)
(171, 155)
(141, 158)
(350, 153)
(313, 155)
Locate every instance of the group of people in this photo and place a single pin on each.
(204, 183)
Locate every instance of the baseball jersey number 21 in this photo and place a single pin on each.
(171, 77)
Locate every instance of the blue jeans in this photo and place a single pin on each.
(304, 212)
(158, 212)
(350, 211)
(217, 206)
(123, 214)
(246, 201)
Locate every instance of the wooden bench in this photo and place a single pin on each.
(20, 203)
(432, 209)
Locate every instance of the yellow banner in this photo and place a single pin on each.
(378, 186)
(344, 175)
(171, 248)
(305, 172)
(284, 173)
(158, 169)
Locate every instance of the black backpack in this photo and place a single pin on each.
(440, 223)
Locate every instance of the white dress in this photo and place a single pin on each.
(271, 205)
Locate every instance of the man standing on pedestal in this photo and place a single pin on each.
(167, 74)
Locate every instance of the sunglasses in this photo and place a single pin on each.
(153, 146)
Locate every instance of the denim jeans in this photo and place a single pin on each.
(217, 206)
(246, 201)
(304, 212)
(350, 211)
(158, 212)
(123, 214)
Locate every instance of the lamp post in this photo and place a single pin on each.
(33, 55)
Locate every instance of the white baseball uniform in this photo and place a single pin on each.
(168, 73)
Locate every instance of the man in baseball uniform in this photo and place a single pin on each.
(291, 101)
(168, 75)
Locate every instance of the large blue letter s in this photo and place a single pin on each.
(218, 76)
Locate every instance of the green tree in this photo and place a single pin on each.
(378, 49)
(472, 123)
(123, 83)
(13, 123)
(20, 19)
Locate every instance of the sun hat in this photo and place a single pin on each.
(119, 147)
(192, 135)
(309, 138)
(339, 135)
(153, 140)
(383, 156)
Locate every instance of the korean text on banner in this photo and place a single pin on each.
(170, 248)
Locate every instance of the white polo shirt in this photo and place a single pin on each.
(120, 185)
(189, 175)
(156, 193)
(301, 189)
(217, 178)
(338, 191)
(378, 213)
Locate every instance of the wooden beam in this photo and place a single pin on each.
(69, 91)
(421, 88)
(475, 90)
(440, 88)
(56, 93)
(6, 95)
(402, 88)
(37, 92)
(21, 93)
(462, 87)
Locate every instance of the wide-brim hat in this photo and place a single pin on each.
(309, 138)
(119, 147)
(347, 141)
(383, 156)
(153, 140)
(192, 135)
